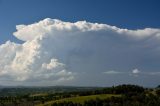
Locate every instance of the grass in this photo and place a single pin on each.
(39, 94)
(80, 99)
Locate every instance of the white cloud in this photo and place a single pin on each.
(55, 26)
(53, 64)
(54, 50)
(135, 71)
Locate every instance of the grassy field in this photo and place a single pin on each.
(80, 99)
(38, 94)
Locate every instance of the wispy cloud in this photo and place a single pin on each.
(153, 73)
(113, 72)
(135, 72)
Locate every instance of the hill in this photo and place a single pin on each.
(80, 99)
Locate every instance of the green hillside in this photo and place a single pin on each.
(80, 99)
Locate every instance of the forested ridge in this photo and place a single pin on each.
(122, 95)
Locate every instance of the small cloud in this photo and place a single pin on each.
(135, 71)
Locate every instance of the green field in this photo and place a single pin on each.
(80, 99)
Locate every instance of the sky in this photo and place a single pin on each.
(79, 42)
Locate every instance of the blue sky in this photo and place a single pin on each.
(131, 14)
(47, 42)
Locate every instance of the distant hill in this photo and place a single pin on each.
(22, 90)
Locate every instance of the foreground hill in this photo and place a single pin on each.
(122, 95)
(80, 99)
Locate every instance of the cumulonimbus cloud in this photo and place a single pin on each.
(54, 50)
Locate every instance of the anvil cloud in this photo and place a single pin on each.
(58, 52)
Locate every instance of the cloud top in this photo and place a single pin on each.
(55, 26)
